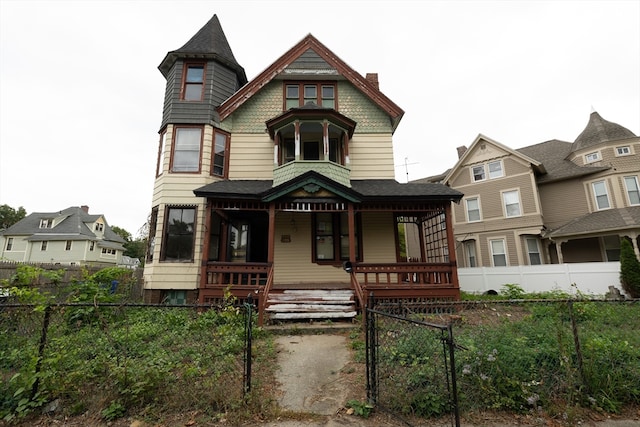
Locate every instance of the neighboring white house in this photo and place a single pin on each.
(68, 237)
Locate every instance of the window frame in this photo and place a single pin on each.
(499, 162)
(176, 132)
(167, 237)
(336, 235)
(473, 173)
(537, 252)
(161, 148)
(185, 85)
(501, 240)
(9, 244)
(302, 98)
(623, 150)
(629, 191)
(225, 154)
(68, 244)
(467, 210)
(505, 205)
(43, 246)
(471, 259)
(46, 223)
(592, 157)
(596, 196)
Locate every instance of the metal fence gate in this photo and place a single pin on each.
(410, 365)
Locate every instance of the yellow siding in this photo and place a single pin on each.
(251, 157)
(371, 156)
(378, 241)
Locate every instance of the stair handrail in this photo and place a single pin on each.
(355, 284)
(265, 295)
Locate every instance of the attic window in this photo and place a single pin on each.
(99, 226)
(592, 157)
(623, 151)
(193, 84)
(300, 94)
(46, 223)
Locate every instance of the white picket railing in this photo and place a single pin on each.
(592, 278)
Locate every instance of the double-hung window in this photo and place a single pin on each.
(68, 245)
(9, 243)
(601, 195)
(534, 251)
(193, 85)
(221, 147)
(495, 169)
(498, 252)
(473, 209)
(179, 227)
(511, 203)
(470, 252)
(478, 173)
(186, 149)
(633, 190)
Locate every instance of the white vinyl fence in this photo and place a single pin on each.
(592, 278)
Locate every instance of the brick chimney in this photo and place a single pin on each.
(85, 208)
(461, 150)
(373, 79)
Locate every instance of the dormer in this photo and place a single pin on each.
(311, 137)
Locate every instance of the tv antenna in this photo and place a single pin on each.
(406, 165)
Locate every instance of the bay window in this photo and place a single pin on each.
(187, 142)
(179, 228)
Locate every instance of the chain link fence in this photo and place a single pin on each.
(109, 358)
(523, 356)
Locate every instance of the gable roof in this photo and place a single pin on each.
(70, 224)
(599, 130)
(208, 43)
(336, 67)
(535, 164)
(553, 155)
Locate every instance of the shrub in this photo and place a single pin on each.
(629, 269)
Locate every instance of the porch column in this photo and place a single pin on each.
(352, 233)
(634, 241)
(272, 232)
(559, 251)
(451, 245)
(205, 245)
(297, 139)
(423, 246)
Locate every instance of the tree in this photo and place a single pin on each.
(134, 248)
(629, 269)
(9, 216)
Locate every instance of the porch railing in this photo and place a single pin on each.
(409, 274)
(232, 274)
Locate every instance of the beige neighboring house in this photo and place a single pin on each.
(71, 236)
(283, 187)
(549, 203)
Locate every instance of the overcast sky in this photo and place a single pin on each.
(81, 96)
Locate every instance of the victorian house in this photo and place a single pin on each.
(283, 188)
(548, 203)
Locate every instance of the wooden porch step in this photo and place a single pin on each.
(302, 304)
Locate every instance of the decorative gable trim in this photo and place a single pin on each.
(286, 60)
(480, 139)
(311, 185)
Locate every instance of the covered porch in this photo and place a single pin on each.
(318, 235)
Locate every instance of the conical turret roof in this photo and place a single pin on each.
(208, 43)
(599, 130)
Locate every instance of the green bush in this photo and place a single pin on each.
(629, 269)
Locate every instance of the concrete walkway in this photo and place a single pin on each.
(309, 374)
(310, 383)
